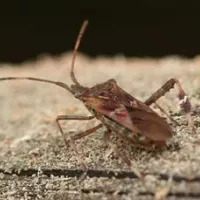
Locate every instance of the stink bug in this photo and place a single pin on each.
(117, 110)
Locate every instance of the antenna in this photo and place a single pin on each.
(63, 85)
(78, 40)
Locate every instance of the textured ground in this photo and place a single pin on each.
(34, 160)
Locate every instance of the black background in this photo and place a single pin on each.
(143, 28)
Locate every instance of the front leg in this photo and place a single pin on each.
(184, 101)
(69, 117)
(79, 135)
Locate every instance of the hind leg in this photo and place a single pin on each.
(184, 101)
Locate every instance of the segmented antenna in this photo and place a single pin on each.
(63, 85)
(78, 40)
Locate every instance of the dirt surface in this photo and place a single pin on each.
(34, 162)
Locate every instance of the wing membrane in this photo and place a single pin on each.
(147, 123)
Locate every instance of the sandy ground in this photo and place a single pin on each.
(34, 160)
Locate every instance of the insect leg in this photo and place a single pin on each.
(184, 101)
(165, 112)
(87, 132)
(79, 135)
(70, 117)
(120, 154)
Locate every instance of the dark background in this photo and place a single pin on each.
(148, 28)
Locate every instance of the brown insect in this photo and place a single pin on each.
(118, 111)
